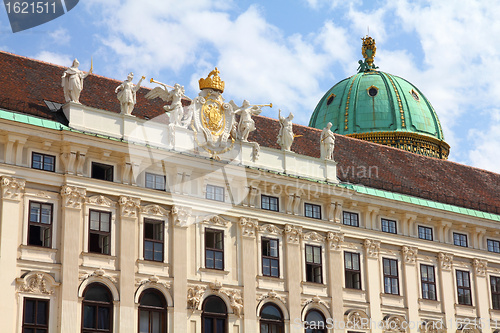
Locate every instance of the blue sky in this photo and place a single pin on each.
(291, 52)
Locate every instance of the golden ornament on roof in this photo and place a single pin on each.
(369, 49)
(212, 81)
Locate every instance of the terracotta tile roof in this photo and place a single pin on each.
(26, 83)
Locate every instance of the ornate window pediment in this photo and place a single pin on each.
(37, 283)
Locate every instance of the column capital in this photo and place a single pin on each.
(480, 267)
(129, 206)
(293, 233)
(248, 227)
(409, 254)
(12, 188)
(73, 197)
(180, 215)
(445, 260)
(335, 239)
(372, 248)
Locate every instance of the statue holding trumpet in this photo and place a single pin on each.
(246, 123)
(72, 81)
(126, 94)
(175, 109)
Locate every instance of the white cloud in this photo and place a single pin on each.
(487, 143)
(54, 58)
(60, 36)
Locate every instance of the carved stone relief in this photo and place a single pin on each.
(293, 233)
(372, 247)
(410, 254)
(36, 283)
(73, 196)
(12, 188)
(335, 239)
(445, 260)
(248, 227)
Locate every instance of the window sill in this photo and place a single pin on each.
(37, 248)
(152, 262)
(313, 284)
(212, 270)
(270, 278)
(98, 255)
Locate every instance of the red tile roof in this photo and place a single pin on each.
(25, 84)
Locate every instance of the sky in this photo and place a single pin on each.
(290, 53)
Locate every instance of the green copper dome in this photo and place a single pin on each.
(383, 108)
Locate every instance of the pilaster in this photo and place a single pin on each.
(249, 272)
(293, 270)
(410, 281)
(481, 287)
(372, 278)
(12, 190)
(335, 273)
(446, 279)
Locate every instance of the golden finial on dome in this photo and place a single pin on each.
(369, 49)
(213, 82)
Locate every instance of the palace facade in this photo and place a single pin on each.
(124, 223)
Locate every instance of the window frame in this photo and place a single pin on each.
(99, 232)
(215, 188)
(156, 176)
(388, 226)
(313, 206)
(40, 224)
(352, 271)
(97, 304)
(460, 240)
(350, 214)
(35, 326)
(428, 282)
(215, 231)
(425, 234)
(213, 315)
(278, 324)
(42, 163)
(163, 311)
(496, 244)
(310, 266)
(270, 205)
(108, 167)
(270, 257)
(391, 276)
(463, 288)
(495, 295)
(154, 241)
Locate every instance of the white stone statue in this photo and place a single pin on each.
(175, 109)
(285, 135)
(327, 142)
(246, 123)
(127, 94)
(72, 82)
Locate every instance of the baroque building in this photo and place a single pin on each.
(195, 220)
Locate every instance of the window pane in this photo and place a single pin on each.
(270, 311)
(219, 240)
(105, 217)
(29, 311)
(158, 251)
(209, 239)
(46, 214)
(218, 260)
(274, 268)
(103, 315)
(221, 324)
(273, 248)
(266, 266)
(41, 316)
(143, 321)
(34, 212)
(348, 260)
(155, 322)
(94, 220)
(355, 262)
(208, 325)
(317, 255)
(89, 316)
(148, 250)
(210, 259)
(309, 254)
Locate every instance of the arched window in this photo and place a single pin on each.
(315, 322)
(271, 319)
(152, 312)
(97, 309)
(214, 315)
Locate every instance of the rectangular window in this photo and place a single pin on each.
(214, 249)
(40, 224)
(391, 280)
(43, 162)
(313, 264)
(425, 233)
(493, 246)
(102, 171)
(215, 193)
(351, 219)
(460, 239)
(153, 240)
(463, 288)
(389, 226)
(269, 203)
(428, 280)
(270, 257)
(495, 292)
(352, 270)
(156, 182)
(36, 315)
(100, 232)
(312, 210)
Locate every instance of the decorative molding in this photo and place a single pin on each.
(357, 319)
(99, 200)
(445, 260)
(37, 283)
(335, 239)
(248, 227)
(315, 300)
(73, 196)
(235, 300)
(129, 206)
(271, 295)
(194, 295)
(372, 247)
(152, 279)
(215, 286)
(313, 236)
(12, 188)
(98, 273)
(215, 219)
(433, 326)
(338, 212)
(154, 210)
(269, 229)
(180, 215)
(395, 323)
(42, 194)
(293, 233)
(480, 266)
(410, 254)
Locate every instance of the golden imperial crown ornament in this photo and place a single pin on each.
(214, 82)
